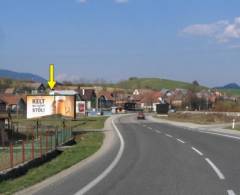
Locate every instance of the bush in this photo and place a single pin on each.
(227, 106)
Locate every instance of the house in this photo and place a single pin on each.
(13, 103)
(66, 87)
(179, 98)
(141, 91)
(89, 96)
(34, 88)
(63, 92)
(121, 98)
(150, 100)
(105, 99)
(9, 91)
(2, 106)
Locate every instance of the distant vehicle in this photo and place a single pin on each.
(140, 116)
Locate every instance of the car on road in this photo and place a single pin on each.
(140, 115)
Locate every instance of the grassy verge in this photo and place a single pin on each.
(237, 128)
(199, 118)
(26, 126)
(87, 144)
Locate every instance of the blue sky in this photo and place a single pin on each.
(115, 39)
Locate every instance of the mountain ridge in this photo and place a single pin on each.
(230, 86)
(8, 74)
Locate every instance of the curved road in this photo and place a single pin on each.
(160, 159)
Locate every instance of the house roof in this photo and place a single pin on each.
(136, 97)
(87, 94)
(165, 91)
(33, 85)
(152, 97)
(9, 90)
(183, 91)
(142, 91)
(63, 92)
(106, 94)
(11, 99)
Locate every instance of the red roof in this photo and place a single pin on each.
(11, 99)
(152, 97)
(106, 94)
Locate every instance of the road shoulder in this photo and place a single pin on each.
(191, 126)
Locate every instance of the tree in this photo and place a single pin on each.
(195, 83)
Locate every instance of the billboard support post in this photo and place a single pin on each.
(40, 145)
(11, 155)
(37, 128)
(46, 141)
(23, 151)
(32, 146)
(56, 137)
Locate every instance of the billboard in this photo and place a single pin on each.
(39, 106)
(80, 107)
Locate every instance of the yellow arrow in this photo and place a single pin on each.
(51, 81)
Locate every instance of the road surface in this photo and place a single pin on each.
(159, 159)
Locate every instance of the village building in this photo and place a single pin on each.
(12, 103)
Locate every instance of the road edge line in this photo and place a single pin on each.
(99, 178)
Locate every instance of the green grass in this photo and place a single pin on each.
(83, 122)
(153, 83)
(199, 118)
(237, 128)
(234, 92)
(87, 144)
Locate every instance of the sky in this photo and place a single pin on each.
(116, 39)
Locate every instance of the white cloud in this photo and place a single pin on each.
(222, 31)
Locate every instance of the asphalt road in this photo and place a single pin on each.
(160, 159)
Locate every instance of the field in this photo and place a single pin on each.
(153, 83)
(234, 92)
(56, 122)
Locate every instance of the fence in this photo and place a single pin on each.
(38, 144)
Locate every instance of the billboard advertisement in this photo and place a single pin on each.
(40, 106)
(80, 107)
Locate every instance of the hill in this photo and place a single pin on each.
(230, 86)
(152, 83)
(21, 76)
(230, 89)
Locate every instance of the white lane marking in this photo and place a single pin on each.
(181, 141)
(196, 150)
(168, 135)
(231, 192)
(223, 135)
(150, 128)
(157, 131)
(98, 179)
(217, 170)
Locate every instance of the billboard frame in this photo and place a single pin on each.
(44, 95)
